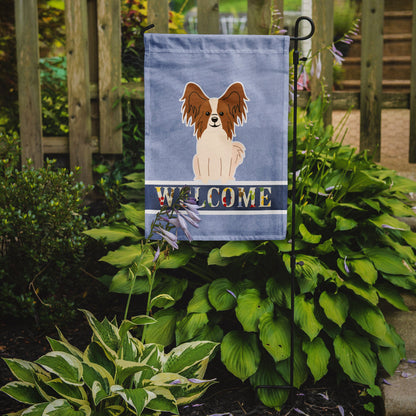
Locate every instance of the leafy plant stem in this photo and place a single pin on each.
(133, 279)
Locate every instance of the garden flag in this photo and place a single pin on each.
(216, 112)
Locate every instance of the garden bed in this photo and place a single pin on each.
(21, 339)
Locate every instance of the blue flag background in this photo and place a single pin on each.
(216, 112)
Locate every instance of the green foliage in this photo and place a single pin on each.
(54, 96)
(126, 237)
(41, 244)
(116, 373)
(351, 252)
(51, 38)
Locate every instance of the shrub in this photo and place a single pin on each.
(351, 251)
(41, 245)
(115, 374)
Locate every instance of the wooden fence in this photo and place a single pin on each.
(94, 73)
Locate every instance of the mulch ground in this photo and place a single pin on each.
(230, 397)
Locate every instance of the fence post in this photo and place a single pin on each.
(79, 106)
(208, 16)
(323, 16)
(30, 107)
(109, 75)
(371, 76)
(259, 16)
(412, 138)
(158, 14)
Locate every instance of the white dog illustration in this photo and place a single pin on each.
(214, 119)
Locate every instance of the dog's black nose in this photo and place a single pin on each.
(214, 119)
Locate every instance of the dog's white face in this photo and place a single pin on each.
(214, 116)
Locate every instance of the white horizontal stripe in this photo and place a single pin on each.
(232, 212)
(198, 183)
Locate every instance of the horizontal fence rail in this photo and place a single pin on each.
(94, 72)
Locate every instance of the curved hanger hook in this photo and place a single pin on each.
(308, 36)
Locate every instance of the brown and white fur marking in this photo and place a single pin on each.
(214, 119)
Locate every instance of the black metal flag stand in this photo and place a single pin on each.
(296, 38)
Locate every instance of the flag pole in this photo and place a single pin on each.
(296, 39)
(296, 60)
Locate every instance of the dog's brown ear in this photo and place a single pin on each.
(235, 98)
(193, 97)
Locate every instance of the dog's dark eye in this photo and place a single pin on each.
(207, 113)
(221, 113)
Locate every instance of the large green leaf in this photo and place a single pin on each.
(300, 368)
(136, 216)
(237, 248)
(177, 258)
(250, 307)
(23, 391)
(137, 399)
(266, 375)
(122, 282)
(405, 282)
(64, 365)
(115, 232)
(318, 357)
(389, 222)
(362, 289)
(220, 294)
(275, 336)
(127, 368)
(163, 402)
(106, 333)
(24, 370)
(305, 316)
(365, 269)
(215, 259)
(190, 359)
(279, 291)
(344, 224)
(171, 286)
(363, 181)
(185, 390)
(387, 261)
(389, 358)
(74, 394)
(389, 293)
(61, 407)
(335, 306)
(98, 379)
(131, 348)
(199, 302)
(307, 236)
(125, 255)
(240, 354)
(307, 270)
(370, 319)
(64, 345)
(163, 331)
(356, 358)
(95, 353)
(190, 326)
(316, 213)
(35, 410)
(409, 237)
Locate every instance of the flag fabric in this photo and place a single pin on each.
(216, 120)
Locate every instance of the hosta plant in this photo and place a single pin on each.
(115, 375)
(352, 253)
